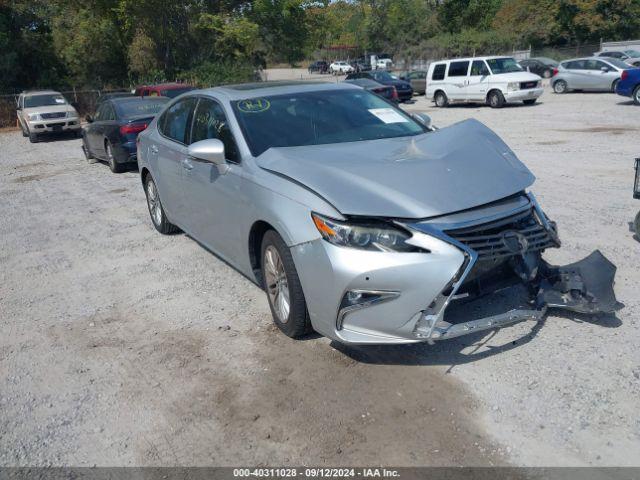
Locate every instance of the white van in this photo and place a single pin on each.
(492, 80)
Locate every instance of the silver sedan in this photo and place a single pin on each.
(360, 221)
(589, 74)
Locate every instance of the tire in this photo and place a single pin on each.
(283, 288)
(156, 211)
(560, 86)
(614, 85)
(111, 159)
(87, 153)
(636, 225)
(441, 100)
(531, 101)
(495, 99)
(636, 95)
(546, 74)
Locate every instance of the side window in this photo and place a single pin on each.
(109, 113)
(176, 120)
(209, 121)
(100, 113)
(575, 65)
(438, 72)
(458, 69)
(479, 68)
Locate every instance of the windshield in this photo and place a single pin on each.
(618, 63)
(548, 61)
(384, 76)
(137, 107)
(175, 92)
(633, 53)
(44, 100)
(318, 118)
(504, 65)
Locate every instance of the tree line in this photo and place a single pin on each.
(113, 43)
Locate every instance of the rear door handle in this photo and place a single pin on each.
(186, 164)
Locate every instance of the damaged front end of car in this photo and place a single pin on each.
(503, 258)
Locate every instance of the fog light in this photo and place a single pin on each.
(357, 299)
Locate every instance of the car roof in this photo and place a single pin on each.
(133, 98)
(40, 92)
(462, 59)
(262, 89)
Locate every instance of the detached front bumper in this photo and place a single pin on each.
(365, 297)
(521, 95)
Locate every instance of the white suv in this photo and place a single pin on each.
(46, 111)
(340, 67)
(491, 80)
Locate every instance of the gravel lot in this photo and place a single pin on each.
(120, 346)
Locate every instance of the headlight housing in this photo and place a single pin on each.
(370, 235)
(34, 117)
(513, 86)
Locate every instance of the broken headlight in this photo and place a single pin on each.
(374, 235)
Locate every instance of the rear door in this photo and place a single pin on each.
(169, 148)
(456, 82)
(99, 128)
(478, 82)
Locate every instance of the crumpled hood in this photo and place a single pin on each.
(449, 170)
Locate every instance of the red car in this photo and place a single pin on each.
(170, 90)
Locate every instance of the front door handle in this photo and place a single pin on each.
(186, 164)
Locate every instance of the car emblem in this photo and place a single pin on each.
(515, 242)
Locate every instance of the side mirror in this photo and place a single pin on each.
(424, 119)
(89, 119)
(211, 150)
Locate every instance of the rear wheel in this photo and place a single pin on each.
(614, 85)
(158, 217)
(284, 291)
(111, 160)
(636, 95)
(496, 99)
(441, 99)
(560, 86)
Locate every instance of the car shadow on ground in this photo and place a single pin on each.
(56, 138)
(461, 350)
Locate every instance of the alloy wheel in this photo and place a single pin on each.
(560, 87)
(277, 283)
(153, 202)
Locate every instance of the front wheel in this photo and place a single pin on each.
(158, 217)
(496, 99)
(441, 100)
(284, 291)
(636, 95)
(560, 86)
(33, 137)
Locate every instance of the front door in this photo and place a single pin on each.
(478, 82)
(213, 193)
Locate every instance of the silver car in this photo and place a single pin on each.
(361, 222)
(590, 73)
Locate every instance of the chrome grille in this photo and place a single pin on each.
(49, 116)
(488, 240)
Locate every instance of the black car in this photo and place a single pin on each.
(319, 66)
(404, 89)
(111, 134)
(542, 66)
(384, 91)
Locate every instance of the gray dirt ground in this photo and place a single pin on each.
(120, 346)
